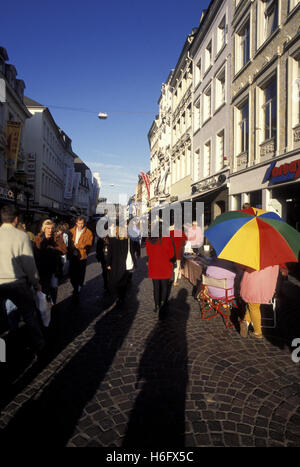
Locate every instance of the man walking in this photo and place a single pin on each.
(18, 273)
(82, 239)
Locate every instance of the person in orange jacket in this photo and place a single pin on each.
(82, 242)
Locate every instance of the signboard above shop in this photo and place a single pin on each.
(287, 171)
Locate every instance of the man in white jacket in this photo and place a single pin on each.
(18, 273)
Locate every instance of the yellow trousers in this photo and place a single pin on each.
(253, 315)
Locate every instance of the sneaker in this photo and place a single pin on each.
(244, 328)
(255, 336)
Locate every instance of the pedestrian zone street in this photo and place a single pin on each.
(117, 376)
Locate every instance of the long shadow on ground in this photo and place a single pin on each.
(158, 417)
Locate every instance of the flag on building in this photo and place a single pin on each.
(147, 182)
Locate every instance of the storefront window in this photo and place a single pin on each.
(256, 199)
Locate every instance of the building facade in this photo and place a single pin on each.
(13, 112)
(159, 138)
(265, 114)
(43, 139)
(181, 124)
(211, 53)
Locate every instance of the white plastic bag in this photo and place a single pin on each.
(65, 264)
(44, 308)
(54, 281)
(10, 306)
(129, 262)
(13, 314)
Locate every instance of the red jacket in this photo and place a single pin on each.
(159, 255)
(179, 239)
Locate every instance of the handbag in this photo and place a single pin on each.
(44, 308)
(173, 259)
(54, 281)
(129, 262)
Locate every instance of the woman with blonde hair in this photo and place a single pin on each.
(49, 247)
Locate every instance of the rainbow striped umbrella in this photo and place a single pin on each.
(254, 238)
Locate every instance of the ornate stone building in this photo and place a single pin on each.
(265, 116)
(211, 53)
(159, 138)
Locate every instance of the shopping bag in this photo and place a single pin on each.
(10, 306)
(65, 265)
(13, 314)
(54, 281)
(44, 308)
(129, 261)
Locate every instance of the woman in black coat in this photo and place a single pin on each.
(119, 274)
(101, 255)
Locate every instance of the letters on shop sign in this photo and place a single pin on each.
(285, 172)
(285, 169)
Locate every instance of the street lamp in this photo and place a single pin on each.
(15, 186)
(102, 115)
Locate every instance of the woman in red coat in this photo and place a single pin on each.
(179, 239)
(161, 255)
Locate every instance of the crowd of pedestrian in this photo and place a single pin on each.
(35, 263)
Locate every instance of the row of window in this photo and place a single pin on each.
(52, 161)
(53, 143)
(266, 121)
(51, 188)
(267, 21)
(181, 166)
(215, 91)
(206, 61)
(184, 84)
(203, 157)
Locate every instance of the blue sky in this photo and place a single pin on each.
(100, 56)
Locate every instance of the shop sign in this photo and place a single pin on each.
(13, 135)
(9, 195)
(283, 173)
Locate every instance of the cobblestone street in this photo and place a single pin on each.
(120, 377)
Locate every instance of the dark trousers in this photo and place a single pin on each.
(21, 296)
(160, 291)
(119, 288)
(104, 272)
(77, 272)
(47, 289)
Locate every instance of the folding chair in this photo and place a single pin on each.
(219, 305)
(269, 314)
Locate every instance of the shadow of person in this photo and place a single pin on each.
(56, 407)
(157, 418)
(55, 412)
(287, 316)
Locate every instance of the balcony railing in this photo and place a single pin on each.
(267, 149)
(296, 133)
(242, 160)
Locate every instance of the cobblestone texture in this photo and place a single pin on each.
(117, 376)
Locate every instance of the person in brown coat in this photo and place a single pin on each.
(82, 242)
